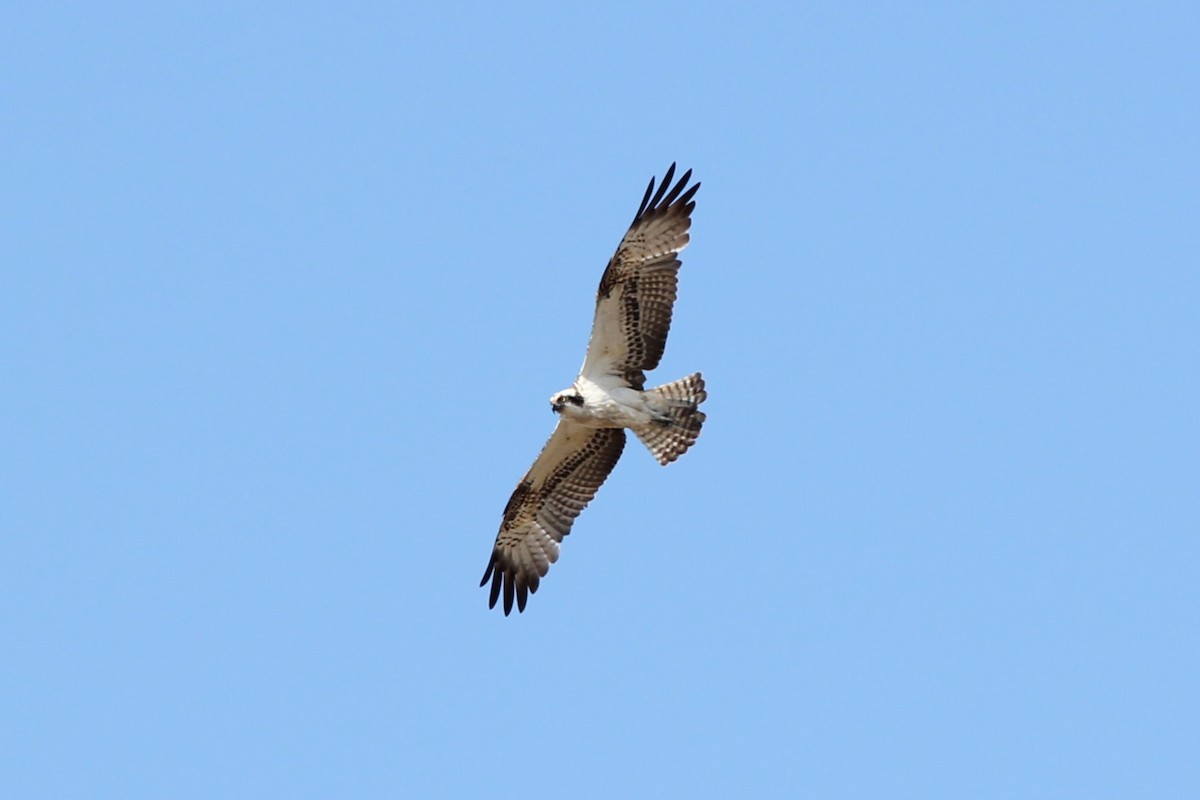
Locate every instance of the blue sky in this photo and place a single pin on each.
(285, 290)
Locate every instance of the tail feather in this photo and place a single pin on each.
(679, 418)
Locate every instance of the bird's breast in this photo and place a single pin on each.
(610, 408)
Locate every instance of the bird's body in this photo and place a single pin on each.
(608, 402)
(633, 315)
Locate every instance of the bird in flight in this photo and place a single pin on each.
(629, 331)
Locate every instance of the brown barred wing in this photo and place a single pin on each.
(565, 477)
(638, 289)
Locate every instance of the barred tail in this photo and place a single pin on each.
(679, 418)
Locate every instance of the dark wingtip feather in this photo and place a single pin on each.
(645, 202)
(512, 585)
(686, 199)
(679, 186)
(663, 185)
(494, 594)
(522, 597)
(668, 195)
(508, 595)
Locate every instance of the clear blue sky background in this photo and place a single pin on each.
(285, 291)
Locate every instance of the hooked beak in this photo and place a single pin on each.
(556, 407)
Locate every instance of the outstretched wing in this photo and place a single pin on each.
(637, 291)
(561, 482)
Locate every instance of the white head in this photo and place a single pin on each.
(569, 399)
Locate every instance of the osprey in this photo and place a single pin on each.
(629, 332)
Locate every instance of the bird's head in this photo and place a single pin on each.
(567, 397)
